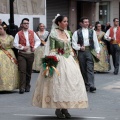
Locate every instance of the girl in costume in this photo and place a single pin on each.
(8, 64)
(66, 90)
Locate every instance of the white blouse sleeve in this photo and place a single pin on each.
(96, 44)
(106, 36)
(75, 44)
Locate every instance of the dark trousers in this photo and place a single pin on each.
(87, 67)
(25, 62)
(115, 52)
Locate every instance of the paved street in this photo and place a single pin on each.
(103, 105)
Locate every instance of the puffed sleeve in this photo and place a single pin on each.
(52, 43)
(9, 42)
(52, 48)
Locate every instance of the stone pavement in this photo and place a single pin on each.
(103, 105)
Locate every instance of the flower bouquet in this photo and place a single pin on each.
(49, 65)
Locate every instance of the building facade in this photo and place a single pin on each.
(74, 9)
(96, 10)
(32, 9)
(44, 11)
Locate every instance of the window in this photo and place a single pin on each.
(104, 12)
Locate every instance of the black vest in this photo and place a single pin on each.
(81, 40)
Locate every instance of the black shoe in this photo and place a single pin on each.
(59, 114)
(87, 89)
(115, 73)
(27, 90)
(65, 112)
(21, 91)
(35, 71)
(92, 89)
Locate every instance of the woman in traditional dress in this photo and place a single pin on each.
(8, 65)
(103, 64)
(42, 34)
(68, 89)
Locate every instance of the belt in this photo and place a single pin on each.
(87, 47)
(25, 52)
(114, 42)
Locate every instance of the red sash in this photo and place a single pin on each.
(9, 55)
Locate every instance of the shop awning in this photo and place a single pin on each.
(90, 0)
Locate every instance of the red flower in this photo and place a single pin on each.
(60, 51)
(50, 61)
(52, 57)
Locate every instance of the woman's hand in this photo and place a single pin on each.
(72, 54)
(98, 55)
(43, 42)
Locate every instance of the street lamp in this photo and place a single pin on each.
(12, 28)
(11, 20)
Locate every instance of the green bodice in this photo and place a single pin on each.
(70, 33)
(59, 44)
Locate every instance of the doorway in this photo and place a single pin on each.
(53, 8)
(86, 9)
(36, 22)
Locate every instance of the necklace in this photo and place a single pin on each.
(62, 35)
(61, 29)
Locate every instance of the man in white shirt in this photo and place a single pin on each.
(26, 41)
(84, 40)
(113, 36)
